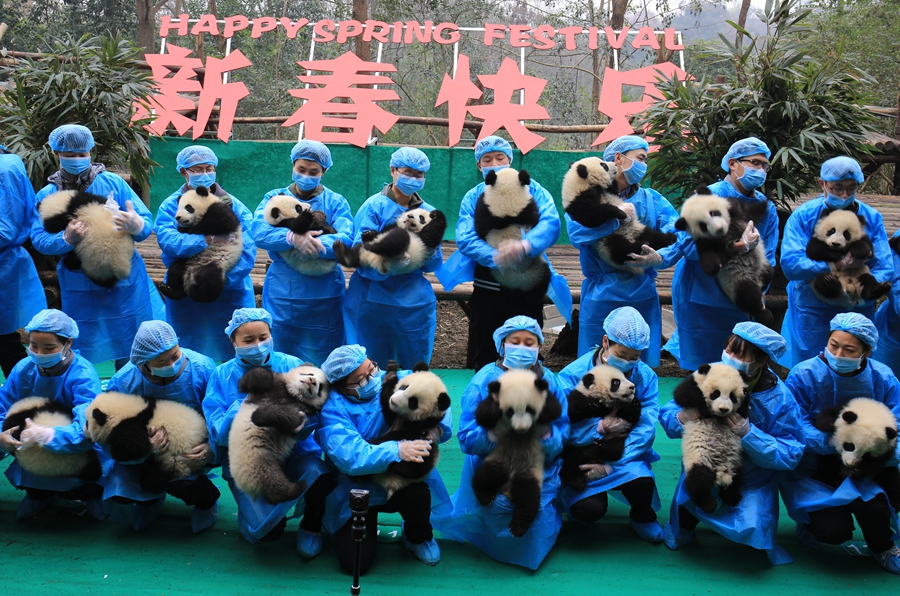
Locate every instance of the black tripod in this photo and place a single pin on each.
(359, 507)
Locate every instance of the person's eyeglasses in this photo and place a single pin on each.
(759, 165)
(843, 190)
(365, 380)
(412, 173)
(201, 169)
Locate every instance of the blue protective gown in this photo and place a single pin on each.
(257, 517)
(348, 423)
(887, 320)
(188, 388)
(805, 324)
(639, 453)
(199, 324)
(74, 387)
(21, 293)
(703, 313)
(817, 387)
(605, 288)
(488, 527)
(108, 319)
(393, 316)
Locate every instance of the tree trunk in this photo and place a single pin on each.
(595, 68)
(146, 26)
(361, 13)
(220, 39)
(742, 22)
(617, 20)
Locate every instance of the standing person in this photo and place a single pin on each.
(161, 369)
(259, 519)
(393, 316)
(492, 304)
(887, 320)
(606, 288)
(627, 336)
(772, 442)
(703, 313)
(806, 321)
(841, 372)
(350, 419)
(306, 310)
(108, 317)
(199, 324)
(21, 293)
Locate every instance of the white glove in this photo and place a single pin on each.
(128, 220)
(35, 434)
(613, 426)
(199, 453)
(849, 262)
(491, 436)
(159, 439)
(750, 237)
(414, 451)
(647, 258)
(74, 232)
(512, 254)
(111, 205)
(221, 238)
(7, 442)
(595, 471)
(686, 415)
(628, 208)
(308, 245)
(738, 424)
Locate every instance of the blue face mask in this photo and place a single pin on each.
(484, 170)
(752, 178)
(842, 365)
(519, 357)
(733, 362)
(371, 388)
(74, 165)
(835, 202)
(620, 363)
(47, 360)
(167, 372)
(306, 183)
(408, 185)
(198, 180)
(255, 354)
(636, 172)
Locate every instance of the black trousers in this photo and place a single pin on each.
(413, 503)
(638, 493)
(85, 492)
(11, 351)
(200, 493)
(835, 524)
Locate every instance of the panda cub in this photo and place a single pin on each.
(402, 247)
(283, 211)
(505, 211)
(590, 197)
(711, 453)
(602, 392)
(865, 436)
(121, 423)
(202, 277)
(518, 410)
(413, 407)
(39, 460)
(837, 234)
(103, 254)
(264, 431)
(716, 224)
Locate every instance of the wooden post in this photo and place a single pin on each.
(896, 190)
(361, 13)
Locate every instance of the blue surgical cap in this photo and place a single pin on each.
(517, 323)
(492, 143)
(856, 325)
(762, 337)
(841, 168)
(627, 327)
(313, 151)
(743, 148)
(623, 145)
(73, 138)
(410, 157)
(152, 339)
(55, 321)
(247, 315)
(196, 155)
(342, 361)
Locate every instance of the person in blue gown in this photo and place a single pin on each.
(772, 441)
(199, 323)
(260, 519)
(806, 322)
(350, 419)
(306, 310)
(518, 343)
(606, 288)
(887, 320)
(108, 317)
(161, 369)
(55, 371)
(393, 316)
(627, 337)
(841, 372)
(703, 313)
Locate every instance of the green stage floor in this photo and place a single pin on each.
(66, 552)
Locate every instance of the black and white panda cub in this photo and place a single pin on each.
(505, 211)
(865, 436)
(264, 431)
(413, 407)
(41, 461)
(121, 422)
(590, 197)
(715, 224)
(837, 234)
(602, 392)
(710, 452)
(103, 254)
(401, 247)
(519, 410)
(201, 277)
(283, 211)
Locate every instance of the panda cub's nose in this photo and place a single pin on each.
(724, 409)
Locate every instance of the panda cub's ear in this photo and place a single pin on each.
(443, 402)
(582, 170)
(681, 224)
(588, 380)
(420, 367)
(275, 213)
(890, 433)
(202, 191)
(702, 190)
(862, 221)
(524, 178)
(491, 178)
(99, 416)
(849, 417)
(541, 384)
(494, 389)
(704, 369)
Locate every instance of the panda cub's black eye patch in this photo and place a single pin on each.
(413, 403)
(846, 235)
(510, 412)
(715, 214)
(703, 226)
(849, 447)
(715, 394)
(189, 208)
(616, 383)
(733, 398)
(831, 231)
(529, 410)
